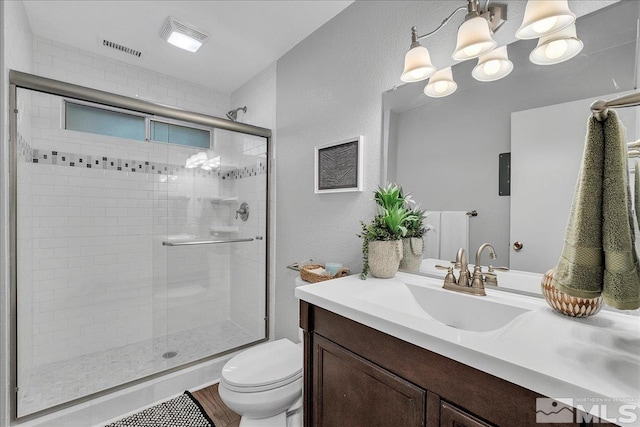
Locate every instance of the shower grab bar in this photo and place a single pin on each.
(205, 242)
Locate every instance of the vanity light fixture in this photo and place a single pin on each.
(474, 39)
(417, 62)
(213, 163)
(493, 65)
(196, 160)
(202, 160)
(543, 18)
(441, 84)
(183, 35)
(557, 47)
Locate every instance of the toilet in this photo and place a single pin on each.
(264, 383)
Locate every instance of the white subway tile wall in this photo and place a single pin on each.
(94, 275)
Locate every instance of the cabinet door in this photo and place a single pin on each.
(351, 391)
(450, 416)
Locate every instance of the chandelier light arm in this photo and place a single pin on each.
(415, 35)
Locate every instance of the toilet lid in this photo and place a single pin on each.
(271, 363)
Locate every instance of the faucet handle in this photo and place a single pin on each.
(491, 278)
(450, 278)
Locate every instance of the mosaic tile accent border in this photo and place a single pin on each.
(59, 158)
(247, 171)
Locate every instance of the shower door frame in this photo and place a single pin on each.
(18, 79)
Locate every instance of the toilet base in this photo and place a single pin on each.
(292, 417)
(279, 420)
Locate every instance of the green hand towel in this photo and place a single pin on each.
(599, 254)
(636, 202)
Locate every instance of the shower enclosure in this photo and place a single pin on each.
(140, 237)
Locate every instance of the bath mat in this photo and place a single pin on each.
(183, 411)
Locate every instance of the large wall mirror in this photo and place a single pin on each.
(445, 151)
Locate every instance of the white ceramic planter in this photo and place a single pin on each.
(384, 258)
(412, 251)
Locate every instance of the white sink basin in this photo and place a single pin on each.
(454, 309)
(466, 312)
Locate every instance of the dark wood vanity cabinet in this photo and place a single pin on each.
(356, 376)
(351, 391)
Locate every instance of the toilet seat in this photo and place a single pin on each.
(264, 367)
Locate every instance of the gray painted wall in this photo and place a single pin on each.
(329, 88)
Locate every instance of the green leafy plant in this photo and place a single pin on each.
(389, 197)
(390, 223)
(415, 223)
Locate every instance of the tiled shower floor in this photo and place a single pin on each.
(55, 383)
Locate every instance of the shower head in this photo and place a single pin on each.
(233, 114)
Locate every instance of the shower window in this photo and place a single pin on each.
(179, 134)
(91, 119)
(129, 262)
(109, 121)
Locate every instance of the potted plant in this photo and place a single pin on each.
(412, 242)
(382, 244)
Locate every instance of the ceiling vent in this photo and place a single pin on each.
(183, 35)
(121, 48)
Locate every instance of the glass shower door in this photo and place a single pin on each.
(134, 254)
(210, 262)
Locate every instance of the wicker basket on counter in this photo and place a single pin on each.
(308, 276)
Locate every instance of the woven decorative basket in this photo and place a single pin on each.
(308, 276)
(566, 304)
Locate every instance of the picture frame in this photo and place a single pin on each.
(338, 166)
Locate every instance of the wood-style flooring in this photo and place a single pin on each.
(210, 400)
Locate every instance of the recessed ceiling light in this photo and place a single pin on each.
(182, 35)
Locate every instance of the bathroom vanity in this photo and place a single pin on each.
(404, 352)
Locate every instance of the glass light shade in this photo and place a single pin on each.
(211, 164)
(441, 84)
(196, 160)
(183, 41)
(557, 47)
(493, 65)
(544, 17)
(417, 65)
(474, 39)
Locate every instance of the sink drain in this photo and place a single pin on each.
(169, 354)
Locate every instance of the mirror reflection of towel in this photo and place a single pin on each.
(599, 255)
(432, 238)
(454, 233)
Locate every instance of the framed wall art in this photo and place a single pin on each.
(338, 166)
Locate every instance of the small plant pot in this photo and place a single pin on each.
(412, 251)
(384, 258)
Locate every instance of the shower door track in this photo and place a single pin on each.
(18, 79)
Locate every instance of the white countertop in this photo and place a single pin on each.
(544, 351)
